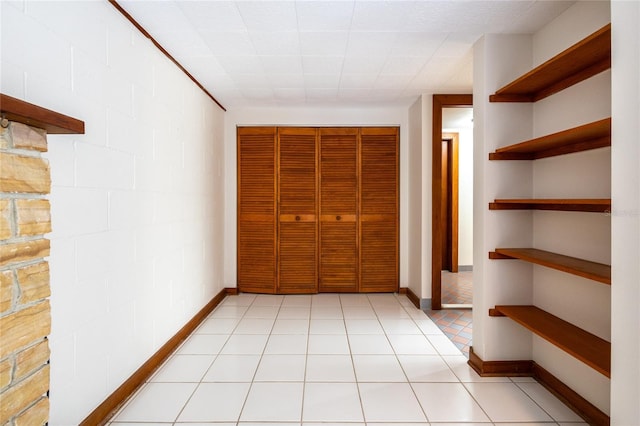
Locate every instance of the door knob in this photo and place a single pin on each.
(297, 217)
(338, 217)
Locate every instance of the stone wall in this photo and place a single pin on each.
(25, 318)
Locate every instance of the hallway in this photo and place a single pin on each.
(330, 358)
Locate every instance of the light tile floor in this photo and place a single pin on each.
(330, 359)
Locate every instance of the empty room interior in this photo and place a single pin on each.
(319, 212)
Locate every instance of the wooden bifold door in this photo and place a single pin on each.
(317, 209)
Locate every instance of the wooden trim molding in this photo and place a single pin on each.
(413, 298)
(110, 406)
(145, 33)
(589, 412)
(54, 123)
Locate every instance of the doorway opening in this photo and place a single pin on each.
(452, 190)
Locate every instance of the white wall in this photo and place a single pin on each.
(625, 221)
(500, 59)
(137, 224)
(414, 252)
(310, 116)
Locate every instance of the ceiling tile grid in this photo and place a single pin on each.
(327, 52)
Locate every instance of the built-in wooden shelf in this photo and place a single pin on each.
(594, 205)
(14, 109)
(572, 265)
(584, 59)
(588, 348)
(582, 138)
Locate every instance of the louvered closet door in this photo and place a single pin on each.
(338, 210)
(297, 255)
(379, 209)
(257, 209)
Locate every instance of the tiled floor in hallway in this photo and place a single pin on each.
(329, 359)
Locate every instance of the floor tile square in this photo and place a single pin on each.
(426, 368)
(427, 326)
(332, 402)
(183, 369)
(328, 344)
(217, 326)
(259, 311)
(399, 326)
(395, 312)
(274, 402)
(286, 344)
(203, 344)
(506, 402)
(327, 326)
(245, 344)
(290, 326)
(281, 368)
(378, 368)
(353, 299)
(411, 344)
(358, 312)
(268, 300)
(326, 299)
(443, 345)
(448, 402)
(215, 402)
(330, 368)
(294, 312)
(459, 364)
(326, 312)
(229, 311)
(157, 402)
(232, 368)
(297, 300)
(370, 344)
(363, 326)
(254, 326)
(390, 402)
(549, 403)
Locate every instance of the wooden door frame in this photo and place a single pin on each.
(439, 102)
(451, 219)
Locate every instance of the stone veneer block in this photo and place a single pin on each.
(24, 327)
(34, 282)
(5, 219)
(6, 290)
(28, 137)
(5, 142)
(32, 359)
(37, 414)
(24, 174)
(28, 250)
(33, 217)
(6, 368)
(19, 397)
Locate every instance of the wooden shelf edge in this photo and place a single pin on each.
(594, 271)
(586, 58)
(14, 109)
(595, 205)
(584, 346)
(586, 137)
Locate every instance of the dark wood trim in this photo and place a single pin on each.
(144, 32)
(413, 298)
(589, 412)
(439, 102)
(593, 205)
(54, 123)
(109, 406)
(522, 368)
(450, 258)
(582, 407)
(231, 291)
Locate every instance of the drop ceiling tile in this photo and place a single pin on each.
(268, 15)
(289, 94)
(260, 94)
(380, 15)
(322, 94)
(254, 81)
(322, 81)
(393, 82)
(417, 43)
(322, 64)
(363, 64)
(276, 43)
(404, 65)
(357, 81)
(222, 16)
(323, 43)
(324, 15)
(240, 64)
(370, 43)
(284, 64)
(290, 81)
(228, 43)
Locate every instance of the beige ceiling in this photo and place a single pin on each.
(266, 53)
